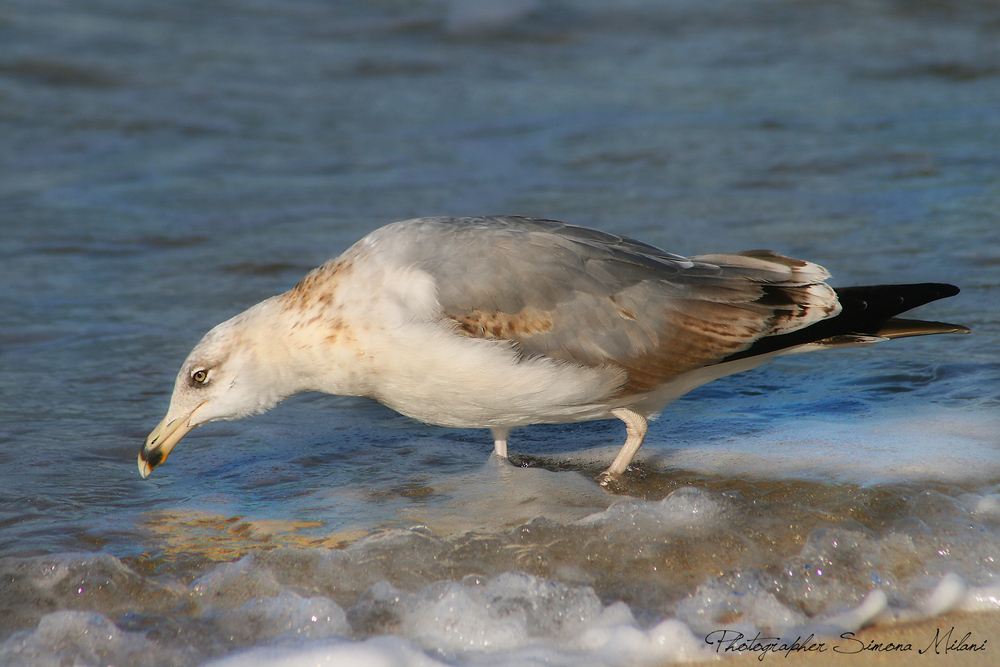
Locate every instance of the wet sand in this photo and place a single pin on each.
(969, 630)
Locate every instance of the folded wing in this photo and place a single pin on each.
(598, 299)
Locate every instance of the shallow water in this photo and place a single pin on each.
(167, 165)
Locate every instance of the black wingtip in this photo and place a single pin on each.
(866, 311)
(891, 300)
(939, 290)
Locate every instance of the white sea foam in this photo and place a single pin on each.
(511, 618)
(715, 603)
(950, 591)
(376, 652)
(81, 638)
(505, 612)
(686, 507)
(235, 583)
(941, 447)
(287, 616)
(982, 598)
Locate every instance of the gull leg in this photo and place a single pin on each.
(636, 426)
(500, 441)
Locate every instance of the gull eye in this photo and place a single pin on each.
(200, 376)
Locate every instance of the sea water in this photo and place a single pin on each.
(166, 165)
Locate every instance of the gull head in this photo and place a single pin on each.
(226, 376)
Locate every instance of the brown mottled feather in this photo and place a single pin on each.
(604, 302)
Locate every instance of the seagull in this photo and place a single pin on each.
(502, 322)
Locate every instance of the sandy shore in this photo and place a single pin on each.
(928, 640)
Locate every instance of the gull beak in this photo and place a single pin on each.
(161, 441)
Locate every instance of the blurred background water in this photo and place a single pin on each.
(164, 165)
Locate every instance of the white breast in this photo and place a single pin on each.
(417, 363)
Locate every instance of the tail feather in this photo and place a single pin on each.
(868, 314)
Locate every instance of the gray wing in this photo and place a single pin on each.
(597, 299)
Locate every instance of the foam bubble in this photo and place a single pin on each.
(285, 617)
(520, 619)
(236, 583)
(875, 604)
(738, 601)
(503, 613)
(610, 640)
(376, 652)
(988, 506)
(81, 638)
(685, 507)
(625, 644)
(949, 592)
(982, 598)
(99, 583)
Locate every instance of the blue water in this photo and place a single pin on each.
(165, 165)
